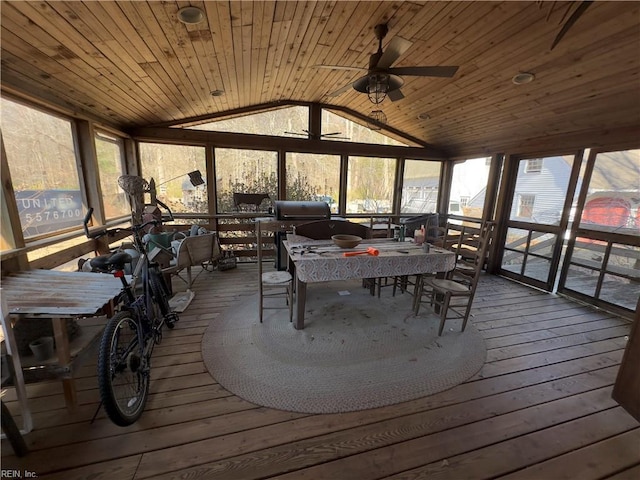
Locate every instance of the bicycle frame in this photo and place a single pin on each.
(141, 305)
(124, 356)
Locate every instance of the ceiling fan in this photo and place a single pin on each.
(381, 80)
(312, 136)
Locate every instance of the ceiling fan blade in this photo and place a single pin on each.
(330, 134)
(446, 72)
(569, 23)
(397, 46)
(395, 95)
(296, 133)
(340, 91)
(340, 67)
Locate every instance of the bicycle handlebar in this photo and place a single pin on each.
(113, 231)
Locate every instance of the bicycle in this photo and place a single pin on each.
(124, 357)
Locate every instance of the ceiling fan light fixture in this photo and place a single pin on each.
(522, 78)
(424, 116)
(377, 88)
(190, 15)
(375, 120)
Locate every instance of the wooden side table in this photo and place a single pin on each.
(58, 296)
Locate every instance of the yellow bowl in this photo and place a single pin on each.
(346, 241)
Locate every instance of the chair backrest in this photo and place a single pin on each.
(197, 249)
(259, 239)
(265, 236)
(380, 227)
(474, 261)
(324, 229)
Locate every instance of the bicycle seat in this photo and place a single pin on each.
(112, 261)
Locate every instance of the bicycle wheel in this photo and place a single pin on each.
(123, 382)
(160, 296)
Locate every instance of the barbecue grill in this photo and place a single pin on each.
(295, 211)
(289, 213)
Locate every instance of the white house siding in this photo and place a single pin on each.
(549, 186)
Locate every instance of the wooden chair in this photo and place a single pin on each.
(438, 238)
(380, 227)
(453, 296)
(324, 229)
(272, 284)
(195, 250)
(465, 241)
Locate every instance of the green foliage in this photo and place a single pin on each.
(298, 188)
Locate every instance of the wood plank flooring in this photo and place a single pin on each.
(540, 408)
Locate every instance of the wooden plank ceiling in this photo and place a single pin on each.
(134, 64)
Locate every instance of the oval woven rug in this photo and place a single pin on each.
(356, 352)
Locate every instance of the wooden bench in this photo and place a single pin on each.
(195, 250)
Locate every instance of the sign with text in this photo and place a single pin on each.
(45, 211)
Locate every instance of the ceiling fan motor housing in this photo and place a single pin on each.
(394, 82)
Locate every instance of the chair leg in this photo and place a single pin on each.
(417, 296)
(443, 313)
(401, 281)
(466, 314)
(395, 286)
(419, 280)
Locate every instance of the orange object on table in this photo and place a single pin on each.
(369, 251)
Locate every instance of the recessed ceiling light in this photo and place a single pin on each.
(522, 78)
(424, 116)
(190, 15)
(217, 93)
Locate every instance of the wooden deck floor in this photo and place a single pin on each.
(540, 408)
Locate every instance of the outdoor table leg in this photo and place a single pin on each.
(12, 351)
(64, 360)
(301, 296)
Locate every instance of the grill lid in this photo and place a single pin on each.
(295, 210)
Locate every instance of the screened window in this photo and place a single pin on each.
(43, 167)
(245, 171)
(289, 121)
(613, 195)
(370, 182)
(469, 182)
(335, 127)
(420, 186)
(548, 188)
(110, 156)
(314, 177)
(169, 166)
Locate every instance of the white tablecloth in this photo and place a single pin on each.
(320, 260)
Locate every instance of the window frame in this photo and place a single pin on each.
(522, 204)
(75, 135)
(107, 136)
(533, 165)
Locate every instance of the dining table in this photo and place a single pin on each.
(323, 261)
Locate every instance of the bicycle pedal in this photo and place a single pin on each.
(171, 319)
